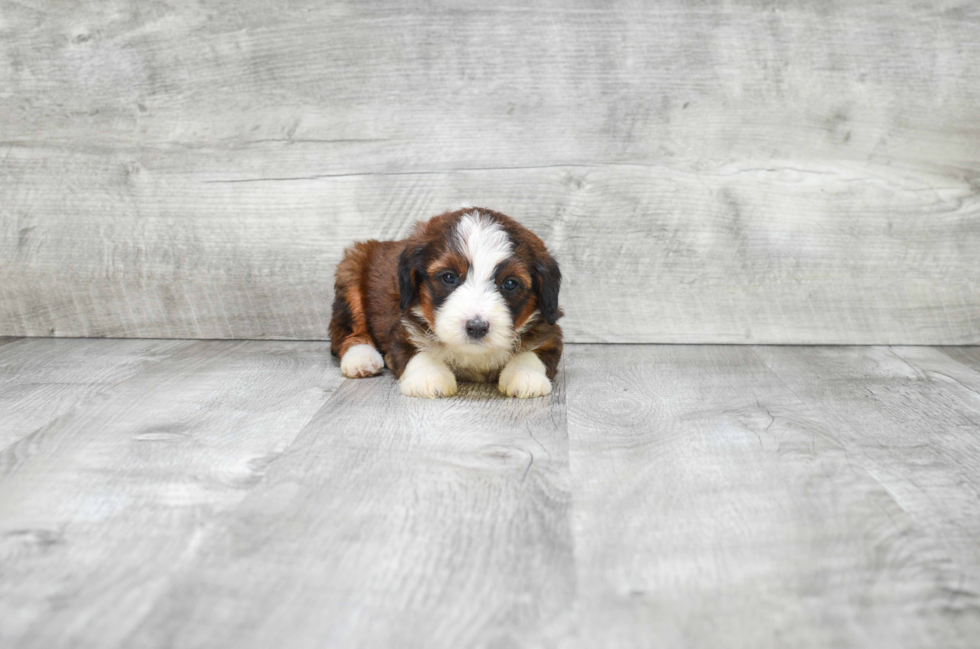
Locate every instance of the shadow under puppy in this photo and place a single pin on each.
(470, 295)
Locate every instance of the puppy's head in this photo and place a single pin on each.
(478, 278)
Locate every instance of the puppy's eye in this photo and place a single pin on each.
(509, 285)
(450, 278)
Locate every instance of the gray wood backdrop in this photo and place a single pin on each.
(765, 172)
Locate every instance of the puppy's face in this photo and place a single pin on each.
(478, 278)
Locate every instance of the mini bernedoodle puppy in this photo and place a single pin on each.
(470, 295)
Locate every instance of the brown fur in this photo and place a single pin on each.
(368, 304)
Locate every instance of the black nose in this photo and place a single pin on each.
(477, 328)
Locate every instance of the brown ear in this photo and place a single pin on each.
(410, 269)
(547, 282)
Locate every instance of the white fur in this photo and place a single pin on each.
(479, 367)
(485, 244)
(471, 363)
(360, 361)
(524, 377)
(427, 376)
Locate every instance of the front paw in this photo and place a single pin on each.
(428, 382)
(524, 377)
(525, 384)
(360, 361)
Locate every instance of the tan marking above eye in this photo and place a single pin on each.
(450, 263)
(442, 271)
(515, 270)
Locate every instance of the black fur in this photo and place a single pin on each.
(411, 267)
(547, 278)
(340, 322)
(439, 290)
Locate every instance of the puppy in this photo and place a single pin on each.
(471, 295)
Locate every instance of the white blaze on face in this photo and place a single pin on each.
(485, 244)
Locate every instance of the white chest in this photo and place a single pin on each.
(474, 366)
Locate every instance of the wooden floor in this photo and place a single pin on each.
(208, 494)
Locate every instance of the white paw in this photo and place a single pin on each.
(524, 377)
(428, 378)
(361, 361)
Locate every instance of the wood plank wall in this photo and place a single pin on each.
(758, 172)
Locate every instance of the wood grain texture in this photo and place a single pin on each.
(242, 494)
(912, 417)
(390, 522)
(969, 356)
(99, 508)
(709, 172)
(715, 507)
(42, 379)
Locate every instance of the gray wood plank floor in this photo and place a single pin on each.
(39, 382)
(218, 493)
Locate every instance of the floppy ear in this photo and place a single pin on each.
(409, 272)
(548, 277)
